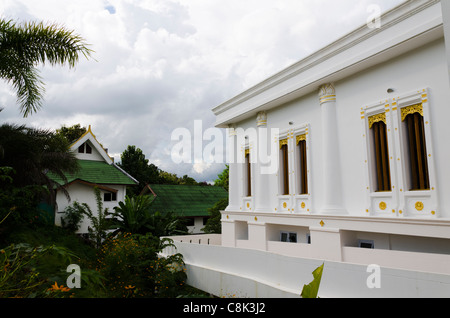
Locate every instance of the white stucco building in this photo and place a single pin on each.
(97, 169)
(363, 173)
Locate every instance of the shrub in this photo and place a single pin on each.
(132, 267)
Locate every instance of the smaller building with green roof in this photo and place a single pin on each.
(187, 201)
(97, 169)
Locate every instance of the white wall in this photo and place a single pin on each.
(233, 272)
(85, 194)
(422, 68)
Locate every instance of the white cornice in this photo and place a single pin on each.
(362, 48)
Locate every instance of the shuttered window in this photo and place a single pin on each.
(284, 167)
(303, 168)
(417, 151)
(377, 125)
(248, 172)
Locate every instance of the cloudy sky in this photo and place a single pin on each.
(162, 64)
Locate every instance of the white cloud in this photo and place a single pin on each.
(161, 64)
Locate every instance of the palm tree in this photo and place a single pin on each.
(23, 47)
(35, 155)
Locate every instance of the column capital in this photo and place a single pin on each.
(327, 93)
(231, 130)
(261, 119)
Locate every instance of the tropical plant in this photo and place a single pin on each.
(24, 46)
(312, 289)
(166, 224)
(214, 225)
(223, 178)
(20, 275)
(100, 224)
(132, 215)
(133, 268)
(36, 155)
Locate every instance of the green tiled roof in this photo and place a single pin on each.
(186, 200)
(98, 172)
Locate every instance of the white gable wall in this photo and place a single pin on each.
(94, 155)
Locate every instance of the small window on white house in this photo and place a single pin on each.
(85, 148)
(109, 196)
(88, 148)
(366, 244)
(288, 237)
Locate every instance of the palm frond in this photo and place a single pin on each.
(23, 47)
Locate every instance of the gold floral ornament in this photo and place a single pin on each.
(383, 206)
(419, 206)
(376, 118)
(418, 108)
(284, 205)
(283, 142)
(300, 138)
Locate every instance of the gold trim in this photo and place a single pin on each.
(300, 138)
(283, 142)
(377, 118)
(418, 108)
(247, 152)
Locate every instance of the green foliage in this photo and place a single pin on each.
(223, 178)
(132, 215)
(23, 47)
(21, 270)
(33, 154)
(71, 133)
(73, 214)
(312, 289)
(133, 161)
(132, 267)
(99, 223)
(214, 225)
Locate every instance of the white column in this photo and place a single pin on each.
(446, 18)
(262, 180)
(233, 188)
(332, 182)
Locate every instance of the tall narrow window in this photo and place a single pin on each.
(303, 168)
(284, 171)
(248, 177)
(377, 125)
(412, 116)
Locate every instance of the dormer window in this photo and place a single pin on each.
(85, 148)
